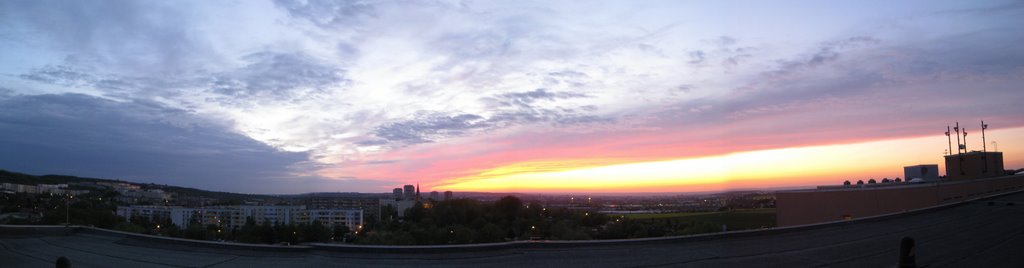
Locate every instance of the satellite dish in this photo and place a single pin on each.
(924, 171)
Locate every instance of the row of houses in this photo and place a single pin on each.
(236, 216)
(59, 189)
(135, 196)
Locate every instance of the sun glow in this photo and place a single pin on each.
(801, 166)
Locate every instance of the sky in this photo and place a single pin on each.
(530, 96)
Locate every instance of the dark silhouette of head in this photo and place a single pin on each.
(63, 262)
(908, 254)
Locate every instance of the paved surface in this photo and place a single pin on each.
(975, 234)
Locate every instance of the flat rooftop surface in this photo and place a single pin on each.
(975, 234)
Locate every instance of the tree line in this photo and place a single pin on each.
(463, 221)
(457, 221)
(251, 232)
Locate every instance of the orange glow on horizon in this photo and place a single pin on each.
(786, 167)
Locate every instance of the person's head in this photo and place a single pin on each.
(63, 262)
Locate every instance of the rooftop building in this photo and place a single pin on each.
(410, 192)
(925, 172)
(969, 175)
(396, 193)
(974, 165)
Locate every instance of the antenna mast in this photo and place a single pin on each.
(959, 148)
(984, 149)
(965, 140)
(983, 127)
(949, 141)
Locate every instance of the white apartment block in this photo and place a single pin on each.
(58, 189)
(236, 216)
(352, 218)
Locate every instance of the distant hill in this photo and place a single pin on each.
(21, 178)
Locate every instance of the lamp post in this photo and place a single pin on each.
(67, 210)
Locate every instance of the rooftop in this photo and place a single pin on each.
(891, 185)
(984, 233)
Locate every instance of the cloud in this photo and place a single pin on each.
(60, 75)
(853, 89)
(130, 35)
(825, 53)
(725, 41)
(278, 76)
(735, 56)
(526, 99)
(539, 107)
(341, 83)
(509, 109)
(137, 140)
(723, 49)
(701, 108)
(696, 57)
(429, 127)
(71, 76)
(830, 51)
(550, 117)
(685, 88)
(327, 13)
(1005, 7)
(475, 45)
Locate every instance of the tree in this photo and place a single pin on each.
(267, 233)
(316, 232)
(249, 232)
(508, 207)
(490, 233)
(416, 212)
(195, 231)
(340, 231)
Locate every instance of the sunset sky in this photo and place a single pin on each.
(546, 96)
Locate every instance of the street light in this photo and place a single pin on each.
(67, 210)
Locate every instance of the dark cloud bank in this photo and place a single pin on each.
(88, 136)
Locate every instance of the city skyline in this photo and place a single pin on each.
(284, 97)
